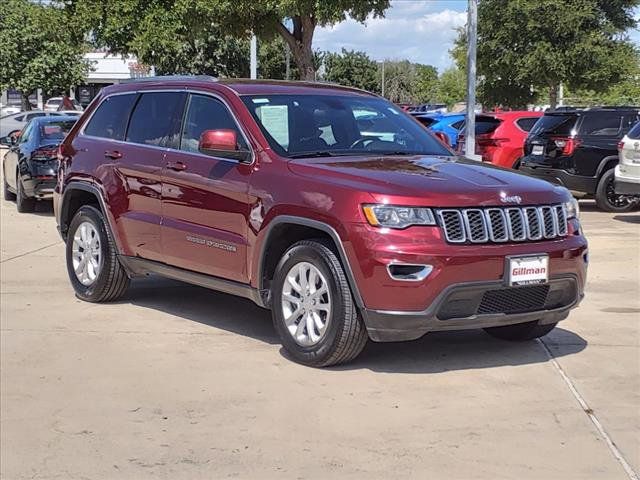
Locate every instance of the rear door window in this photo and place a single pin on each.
(554, 125)
(526, 123)
(156, 119)
(206, 113)
(110, 119)
(629, 120)
(601, 124)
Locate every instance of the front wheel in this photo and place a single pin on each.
(313, 309)
(521, 332)
(608, 200)
(92, 263)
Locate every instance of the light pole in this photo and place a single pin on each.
(254, 57)
(472, 38)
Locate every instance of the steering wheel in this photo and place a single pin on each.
(360, 143)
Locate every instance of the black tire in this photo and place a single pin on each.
(608, 200)
(521, 332)
(7, 194)
(24, 204)
(112, 280)
(516, 164)
(345, 334)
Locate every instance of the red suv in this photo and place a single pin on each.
(500, 136)
(329, 206)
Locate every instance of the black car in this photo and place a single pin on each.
(31, 164)
(578, 149)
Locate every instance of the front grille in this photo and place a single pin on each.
(516, 224)
(514, 300)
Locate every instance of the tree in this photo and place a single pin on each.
(520, 48)
(353, 69)
(452, 86)
(293, 20)
(175, 36)
(426, 88)
(400, 81)
(38, 49)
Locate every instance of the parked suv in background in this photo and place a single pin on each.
(500, 136)
(579, 149)
(627, 174)
(289, 194)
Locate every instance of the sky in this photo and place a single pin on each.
(421, 31)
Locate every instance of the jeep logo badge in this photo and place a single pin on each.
(504, 198)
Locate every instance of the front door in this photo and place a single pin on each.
(205, 202)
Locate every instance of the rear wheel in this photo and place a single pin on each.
(608, 200)
(92, 263)
(23, 203)
(521, 331)
(313, 310)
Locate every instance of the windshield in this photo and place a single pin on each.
(56, 130)
(326, 125)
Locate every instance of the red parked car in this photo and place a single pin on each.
(329, 206)
(500, 136)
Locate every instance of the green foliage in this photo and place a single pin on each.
(542, 43)
(452, 86)
(269, 17)
(38, 49)
(353, 69)
(426, 87)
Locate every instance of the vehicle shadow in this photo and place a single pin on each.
(628, 218)
(44, 208)
(434, 353)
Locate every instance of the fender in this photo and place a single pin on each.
(289, 219)
(93, 189)
(602, 167)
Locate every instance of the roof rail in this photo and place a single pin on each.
(160, 78)
(613, 107)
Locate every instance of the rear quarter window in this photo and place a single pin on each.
(110, 119)
(526, 123)
(602, 125)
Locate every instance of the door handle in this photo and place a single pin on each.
(113, 154)
(177, 166)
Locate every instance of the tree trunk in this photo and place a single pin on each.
(553, 97)
(26, 104)
(300, 41)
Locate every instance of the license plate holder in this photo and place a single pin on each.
(526, 270)
(537, 150)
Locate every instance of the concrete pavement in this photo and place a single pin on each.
(179, 382)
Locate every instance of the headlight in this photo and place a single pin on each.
(392, 216)
(572, 208)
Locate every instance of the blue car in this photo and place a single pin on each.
(448, 123)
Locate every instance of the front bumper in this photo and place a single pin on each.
(577, 184)
(473, 305)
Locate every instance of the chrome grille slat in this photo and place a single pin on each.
(503, 224)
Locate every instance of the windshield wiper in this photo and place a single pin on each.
(318, 153)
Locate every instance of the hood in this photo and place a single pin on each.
(431, 181)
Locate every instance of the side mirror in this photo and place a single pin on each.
(222, 143)
(6, 141)
(443, 137)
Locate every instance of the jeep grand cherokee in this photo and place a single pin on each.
(329, 206)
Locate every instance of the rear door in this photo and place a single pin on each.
(205, 204)
(13, 155)
(153, 128)
(599, 134)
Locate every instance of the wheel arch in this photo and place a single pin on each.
(77, 194)
(285, 230)
(606, 163)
